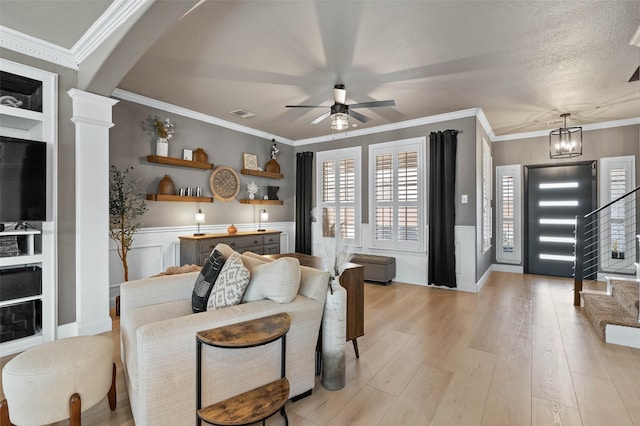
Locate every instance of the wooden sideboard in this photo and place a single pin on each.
(195, 249)
(352, 279)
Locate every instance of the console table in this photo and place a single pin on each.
(257, 404)
(352, 279)
(195, 249)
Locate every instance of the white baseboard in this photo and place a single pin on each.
(624, 336)
(95, 327)
(501, 267)
(67, 330)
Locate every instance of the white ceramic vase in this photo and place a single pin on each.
(334, 335)
(162, 147)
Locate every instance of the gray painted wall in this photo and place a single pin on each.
(465, 178)
(66, 184)
(129, 145)
(613, 142)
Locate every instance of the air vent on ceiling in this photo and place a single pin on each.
(242, 113)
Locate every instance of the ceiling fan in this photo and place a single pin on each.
(340, 109)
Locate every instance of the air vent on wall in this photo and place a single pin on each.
(242, 113)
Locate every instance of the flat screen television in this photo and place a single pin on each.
(23, 180)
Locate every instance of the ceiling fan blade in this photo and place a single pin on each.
(322, 117)
(373, 104)
(307, 106)
(635, 76)
(358, 116)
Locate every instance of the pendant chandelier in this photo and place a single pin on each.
(565, 142)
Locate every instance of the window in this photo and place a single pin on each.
(487, 212)
(617, 227)
(508, 196)
(396, 213)
(338, 194)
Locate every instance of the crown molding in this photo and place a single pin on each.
(484, 122)
(635, 40)
(118, 12)
(164, 106)
(36, 48)
(471, 112)
(586, 128)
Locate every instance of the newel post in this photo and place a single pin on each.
(578, 266)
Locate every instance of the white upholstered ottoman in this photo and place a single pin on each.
(58, 380)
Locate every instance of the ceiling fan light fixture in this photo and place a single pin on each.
(339, 121)
(565, 142)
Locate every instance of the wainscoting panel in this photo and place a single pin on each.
(155, 249)
(465, 237)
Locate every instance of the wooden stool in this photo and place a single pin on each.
(257, 404)
(58, 380)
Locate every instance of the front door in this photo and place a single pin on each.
(555, 195)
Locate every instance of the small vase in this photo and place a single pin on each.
(334, 336)
(162, 147)
(166, 186)
(232, 229)
(252, 196)
(200, 156)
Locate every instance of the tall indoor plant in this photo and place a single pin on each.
(125, 206)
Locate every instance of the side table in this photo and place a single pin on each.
(257, 404)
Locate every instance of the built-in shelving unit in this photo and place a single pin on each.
(183, 198)
(35, 119)
(170, 161)
(261, 173)
(256, 201)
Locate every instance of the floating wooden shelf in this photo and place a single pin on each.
(273, 202)
(179, 162)
(162, 197)
(261, 173)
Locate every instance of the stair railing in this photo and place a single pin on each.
(606, 242)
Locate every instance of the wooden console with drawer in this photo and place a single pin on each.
(195, 249)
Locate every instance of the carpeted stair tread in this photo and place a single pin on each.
(627, 294)
(602, 310)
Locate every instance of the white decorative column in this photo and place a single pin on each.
(92, 117)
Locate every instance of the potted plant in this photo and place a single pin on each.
(124, 208)
(160, 132)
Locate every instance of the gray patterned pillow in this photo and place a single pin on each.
(230, 285)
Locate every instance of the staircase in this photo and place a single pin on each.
(606, 250)
(615, 316)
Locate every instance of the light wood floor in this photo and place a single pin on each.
(517, 353)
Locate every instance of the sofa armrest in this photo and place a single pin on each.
(155, 290)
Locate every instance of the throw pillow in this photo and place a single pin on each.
(230, 285)
(278, 281)
(206, 280)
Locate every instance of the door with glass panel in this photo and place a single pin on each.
(555, 195)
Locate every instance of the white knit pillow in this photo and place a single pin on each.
(230, 285)
(278, 280)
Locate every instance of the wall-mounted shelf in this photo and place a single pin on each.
(163, 197)
(179, 162)
(261, 173)
(272, 202)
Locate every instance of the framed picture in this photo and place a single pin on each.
(249, 161)
(187, 154)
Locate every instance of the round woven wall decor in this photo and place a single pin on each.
(224, 183)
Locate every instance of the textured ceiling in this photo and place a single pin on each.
(58, 22)
(523, 63)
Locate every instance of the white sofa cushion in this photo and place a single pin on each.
(230, 285)
(278, 281)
